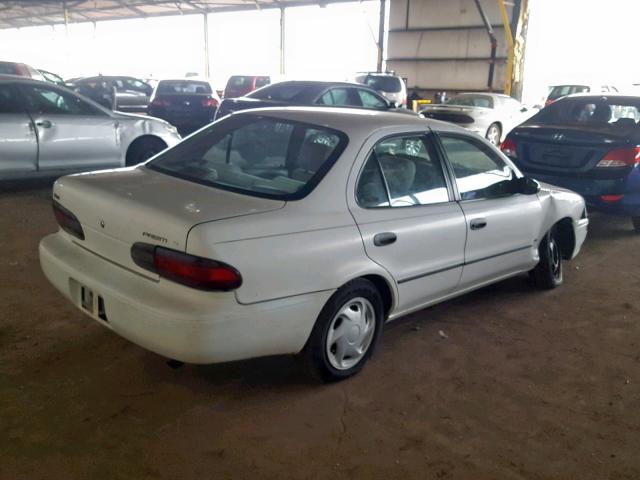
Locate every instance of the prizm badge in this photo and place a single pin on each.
(155, 237)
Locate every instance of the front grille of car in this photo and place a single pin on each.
(449, 117)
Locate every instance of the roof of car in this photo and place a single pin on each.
(350, 119)
(601, 95)
(6, 77)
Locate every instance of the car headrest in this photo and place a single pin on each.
(399, 173)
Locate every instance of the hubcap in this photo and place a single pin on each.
(493, 135)
(554, 255)
(350, 333)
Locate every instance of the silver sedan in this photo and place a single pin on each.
(490, 115)
(46, 130)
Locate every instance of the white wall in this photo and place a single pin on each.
(580, 41)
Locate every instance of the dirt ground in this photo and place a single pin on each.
(527, 385)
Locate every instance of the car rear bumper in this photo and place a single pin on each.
(594, 189)
(176, 321)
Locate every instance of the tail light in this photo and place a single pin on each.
(190, 270)
(67, 221)
(611, 198)
(621, 157)
(508, 147)
(158, 102)
(209, 102)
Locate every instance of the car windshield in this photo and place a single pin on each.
(384, 83)
(256, 155)
(483, 101)
(560, 91)
(617, 112)
(279, 91)
(168, 87)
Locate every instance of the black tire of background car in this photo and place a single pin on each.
(636, 223)
(315, 350)
(143, 149)
(543, 275)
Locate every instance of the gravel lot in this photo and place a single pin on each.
(522, 385)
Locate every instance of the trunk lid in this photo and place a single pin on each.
(451, 113)
(566, 149)
(118, 208)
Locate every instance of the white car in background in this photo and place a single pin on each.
(47, 130)
(490, 115)
(282, 230)
(388, 84)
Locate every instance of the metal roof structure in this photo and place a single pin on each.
(29, 13)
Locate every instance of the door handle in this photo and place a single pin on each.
(382, 239)
(44, 124)
(478, 223)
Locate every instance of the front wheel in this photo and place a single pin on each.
(346, 331)
(494, 133)
(548, 273)
(636, 224)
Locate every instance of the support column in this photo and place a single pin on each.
(207, 71)
(282, 40)
(383, 16)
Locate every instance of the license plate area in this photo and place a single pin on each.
(89, 300)
(86, 299)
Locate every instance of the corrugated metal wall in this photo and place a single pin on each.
(443, 45)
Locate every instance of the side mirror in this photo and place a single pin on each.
(526, 186)
(394, 104)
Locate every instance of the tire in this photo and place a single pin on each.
(494, 134)
(142, 149)
(333, 356)
(548, 273)
(636, 223)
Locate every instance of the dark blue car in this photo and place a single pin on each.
(589, 144)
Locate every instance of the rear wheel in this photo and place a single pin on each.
(636, 224)
(494, 133)
(548, 273)
(143, 149)
(346, 331)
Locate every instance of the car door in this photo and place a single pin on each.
(18, 141)
(501, 225)
(72, 133)
(409, 222)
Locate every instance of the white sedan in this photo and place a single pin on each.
(283, 230)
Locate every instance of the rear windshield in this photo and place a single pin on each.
(384, 83)
(256, 155)
(592, 111)
(483, 101)
(279, 91)
(168, 87)
(560, 91)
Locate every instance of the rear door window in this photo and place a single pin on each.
(402, 171)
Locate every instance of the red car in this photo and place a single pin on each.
(240, 85)
(21, 70)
